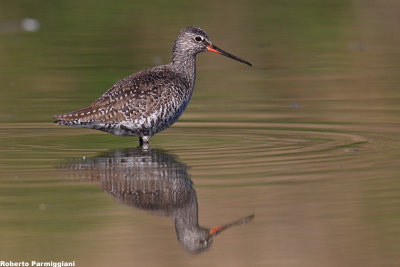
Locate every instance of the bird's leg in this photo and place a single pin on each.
(144, 140)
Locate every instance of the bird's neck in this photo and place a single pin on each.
(186, 217)
(185, 64)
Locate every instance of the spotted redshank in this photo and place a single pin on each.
(151, 100)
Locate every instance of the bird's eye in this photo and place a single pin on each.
(198, 38)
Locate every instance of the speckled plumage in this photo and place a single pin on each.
(151, 100)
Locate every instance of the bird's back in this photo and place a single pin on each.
(142, 104)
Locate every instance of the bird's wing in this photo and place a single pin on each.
(140, 94)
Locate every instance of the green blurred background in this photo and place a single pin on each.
(82, 47)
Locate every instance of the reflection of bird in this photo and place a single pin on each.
(151, 100)
(154, 181)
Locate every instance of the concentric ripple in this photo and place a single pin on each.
(257, 150)
(216, 151)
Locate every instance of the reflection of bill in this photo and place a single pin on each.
(154, 181)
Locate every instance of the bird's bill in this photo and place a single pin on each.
(218, 229)
(213, 48)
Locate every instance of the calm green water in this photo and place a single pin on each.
(307, 139)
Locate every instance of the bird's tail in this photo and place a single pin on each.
(75, 117)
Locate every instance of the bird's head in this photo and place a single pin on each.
(193, 40)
